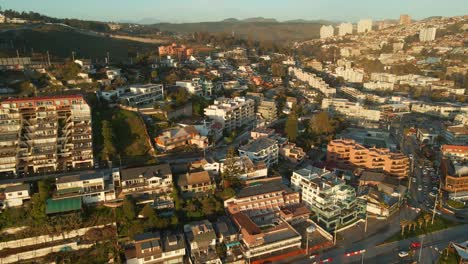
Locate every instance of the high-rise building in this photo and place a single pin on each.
(45, 134)
(326, 31)
(345, 28)
(427, 34)
(405, 19)
(364, 25)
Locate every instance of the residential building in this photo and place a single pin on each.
(248, 171)
(427, 136)
(192, 86)
(142, 94)
(456, 135)
(16, 195)
(427, 34)
(155, 247)
(454, 178)
(292, 153)
(326, 31)
(232, 113)
(181, 51)
(230, 237)
(353, 94)
(91, 187)
(149, 182)
(2, 18)
(196, 183)
(347, 153)
(405, 19)
(364, 25)
(350, 74)
(201, 238)
(312, 80)
(259, 132)
(443, 110)
(44, 134)
(112, 72)
(267, 110)
(180, 136)
(261, 150)
(332, 202)
(379, 86)
(455, 152)
(350, 109)
(345, 29)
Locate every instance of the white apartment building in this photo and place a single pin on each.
(312, 80)
(350, 109)
(248, 170)
(444, 110)
(379, 86)
(326, 31)
(329, 197)
(345, 28)
(427, 34)
(91, 187)
(232, 113)
(364, 25)
(143, 94)
(350, 74)
(353, 94)
(263, 150)
(192, 86)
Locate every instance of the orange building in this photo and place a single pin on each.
(454, 176)
(346, 153)
(175, 50)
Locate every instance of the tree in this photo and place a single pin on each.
(147, 211)
(154, 74)
(109, 150)
(320, 124)
(128, 208)
(181, 96)
(43, 190)
(278, 70)
(231, 169)
(403, 223)
(420, 222)
(291, 126)
(427, 218)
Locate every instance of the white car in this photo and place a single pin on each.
(403, 254)
(413, 179)
(419, 188)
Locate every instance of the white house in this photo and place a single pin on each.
(16, 195)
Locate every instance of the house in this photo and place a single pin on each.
(155, 247)
(112, 72)
(89, 186)
(182, 136)
(192, 86)
(228, 235)
(248, 171)
(154, 181)
(201, 238)
(142, 94)
(195, 183)
(261, 150)
(16, 195)
(290, 152)
(259, 132)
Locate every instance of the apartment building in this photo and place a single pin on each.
(261, 150)
(181, 51)
(149, 181)
(379, 86)
(259, 132)
(364, 25)
(179, 137)
(350, 74)
(352, 94)
(443, 110)
(427, 34)
(326, 31)
(201, 238)
(345, 29)
(232, 113)
(192, 86)
(455, 152)
(312, 80)
(405, 19)
(456, 135)
(155, 247)
(346, 153)
(332, 201)
(143, 94)
(45, 134)
(350, 109)
(267, 109)
(91, 187)
(454, 178)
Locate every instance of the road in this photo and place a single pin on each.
(388, 253)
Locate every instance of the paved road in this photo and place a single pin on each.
(388, 253)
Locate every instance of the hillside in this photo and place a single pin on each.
(61, 41)
(259, 29)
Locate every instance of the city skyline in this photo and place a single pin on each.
(202, 10)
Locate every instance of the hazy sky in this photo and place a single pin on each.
(215, 10)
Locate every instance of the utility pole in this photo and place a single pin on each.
(73, 56)
(365, 225)
(17, 54)
(420, 250)
(435, 205)
(48, 58)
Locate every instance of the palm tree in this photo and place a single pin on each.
(403, 224)
(420, 222)
(427, 218)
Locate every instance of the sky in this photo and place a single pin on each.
(215, 10)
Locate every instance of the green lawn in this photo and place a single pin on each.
(450, 258)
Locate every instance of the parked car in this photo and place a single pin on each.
(403, 254)
(419, 188)
(415, 245)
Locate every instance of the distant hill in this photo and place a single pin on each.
(61, 41)
(254, 28)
